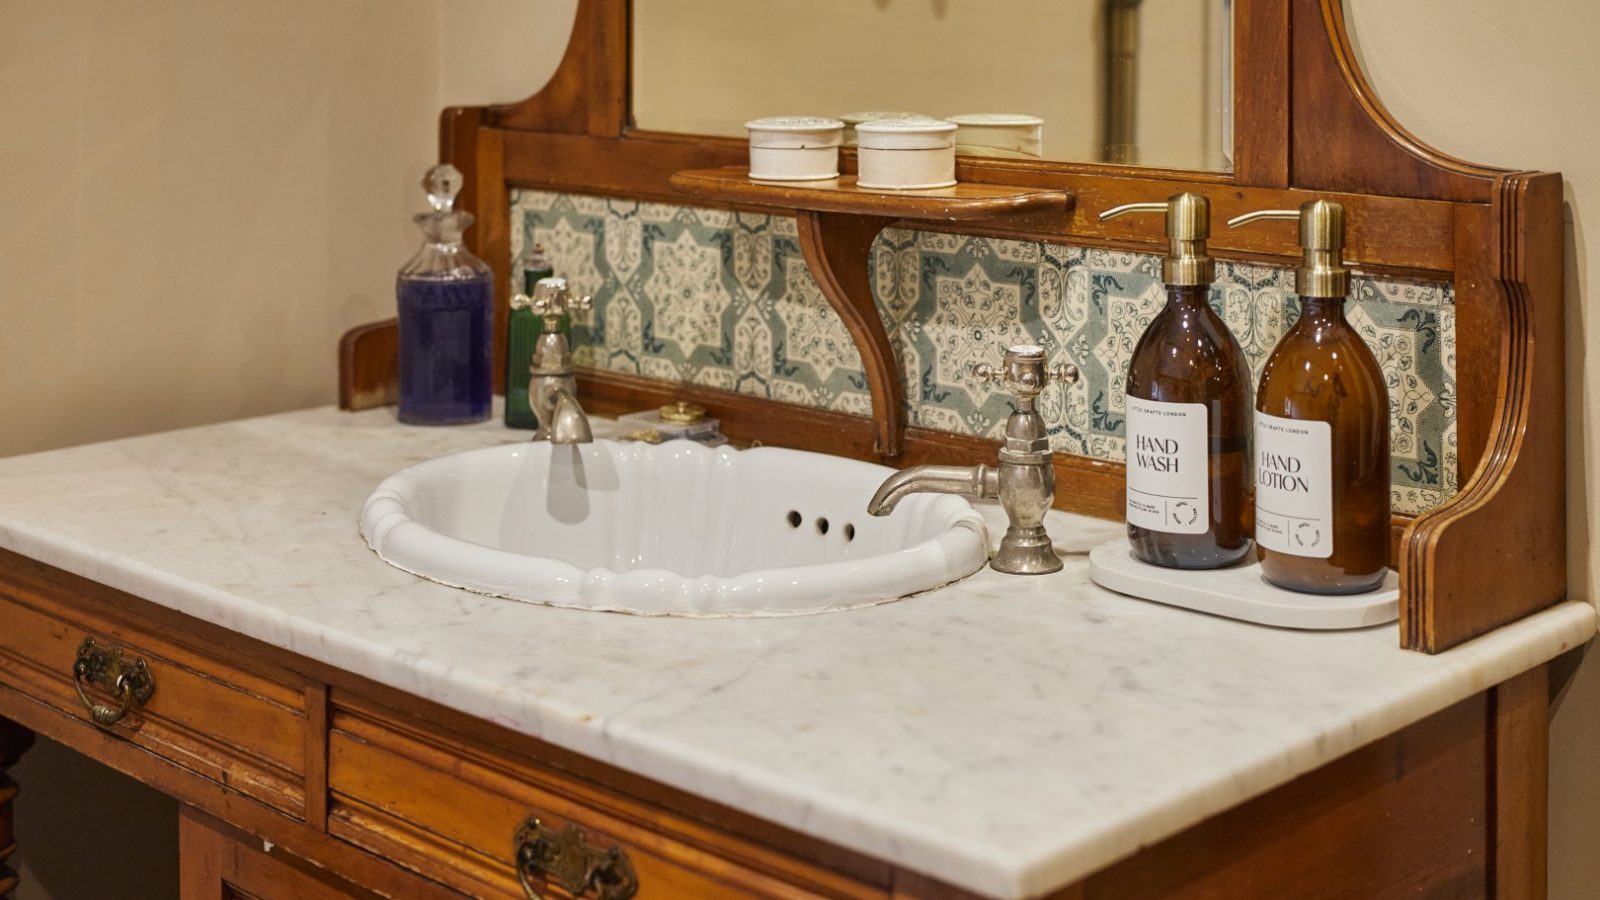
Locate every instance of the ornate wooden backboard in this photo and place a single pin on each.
(1306, 124)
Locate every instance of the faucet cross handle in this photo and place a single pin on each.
(551, 300)
(1025, 371)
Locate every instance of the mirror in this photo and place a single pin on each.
(1138, 82)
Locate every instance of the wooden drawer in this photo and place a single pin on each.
(449, 809)
(243, 730)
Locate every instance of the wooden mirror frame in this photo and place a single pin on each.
(1307, 124)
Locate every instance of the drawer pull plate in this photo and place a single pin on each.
(126, 679)
(566, 858)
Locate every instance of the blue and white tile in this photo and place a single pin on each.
(725, 299)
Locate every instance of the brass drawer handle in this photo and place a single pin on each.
(566, 858)
(126, 679)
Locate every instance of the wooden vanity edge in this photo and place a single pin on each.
(1496, 740)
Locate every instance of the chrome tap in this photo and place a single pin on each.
(1025, 479)
(553, 389)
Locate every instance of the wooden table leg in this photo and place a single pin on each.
(14, 741)
(1521, 731)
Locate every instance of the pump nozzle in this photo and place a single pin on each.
(1188, 226)
(1322, 272)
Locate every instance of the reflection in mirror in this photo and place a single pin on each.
(1138, 82)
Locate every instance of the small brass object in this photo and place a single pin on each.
(682, 412)
(1187, 262)
(128, 680)
(646, 436)
(566, 858)
(1322, 272)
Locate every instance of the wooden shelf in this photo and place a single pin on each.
(964, 201)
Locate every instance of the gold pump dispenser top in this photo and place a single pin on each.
(1187, 262)
(1322, 272)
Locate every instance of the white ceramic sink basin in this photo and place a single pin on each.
(670, 529)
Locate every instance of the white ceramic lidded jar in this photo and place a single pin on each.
(851, 120)
(794, 148)
(906, 154)
(999, 134)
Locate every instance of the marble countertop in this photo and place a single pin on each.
(1007, 735)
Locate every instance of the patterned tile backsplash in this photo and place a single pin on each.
(724, 299)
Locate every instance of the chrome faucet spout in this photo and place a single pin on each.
(568, 424)
(561, 418)
(976, 482)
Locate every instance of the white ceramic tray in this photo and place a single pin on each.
(1239, 592)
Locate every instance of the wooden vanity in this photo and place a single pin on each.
(303, 781)
(1360, 770)
(318, 750)
(299, 780)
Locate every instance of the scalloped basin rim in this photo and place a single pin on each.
(670, 529)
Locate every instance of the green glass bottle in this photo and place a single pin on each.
(522, 331)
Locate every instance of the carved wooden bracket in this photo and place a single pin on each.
(1497, 550)
(838, 247)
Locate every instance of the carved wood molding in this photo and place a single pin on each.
(1497, 550)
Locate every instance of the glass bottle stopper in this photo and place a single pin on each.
(443, 183)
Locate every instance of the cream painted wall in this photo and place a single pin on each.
(200, 198)
(1512, 84)
(213, 191)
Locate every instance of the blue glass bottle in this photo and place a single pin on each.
(446, 308)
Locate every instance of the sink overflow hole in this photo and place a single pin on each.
(794, 519)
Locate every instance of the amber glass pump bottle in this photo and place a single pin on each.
(1322, 430)
(1188, 411)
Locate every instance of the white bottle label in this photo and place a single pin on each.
(1168, 485)
(1294, 486)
